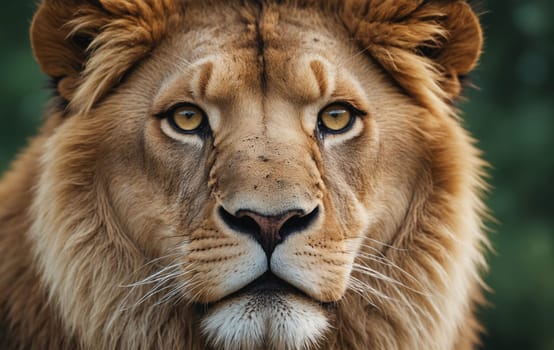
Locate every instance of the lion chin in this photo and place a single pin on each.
(266, 314)
(247, 175)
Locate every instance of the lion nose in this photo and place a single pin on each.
(269, 230)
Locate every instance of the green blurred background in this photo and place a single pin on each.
(511, 114)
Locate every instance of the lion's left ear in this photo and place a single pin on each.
(425, 45)
(460, 51)
(87, 46)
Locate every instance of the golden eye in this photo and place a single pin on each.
(187, 119)
(336, 118)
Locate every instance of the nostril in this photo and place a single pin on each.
(298, 223)
(269, 230)
(242, 224)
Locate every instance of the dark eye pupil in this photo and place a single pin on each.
(337, 113)
(188, 114)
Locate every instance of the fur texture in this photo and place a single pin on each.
(119, 231)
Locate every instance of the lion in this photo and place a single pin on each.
(242, 175)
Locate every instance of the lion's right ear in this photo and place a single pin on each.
(87, 46)
(58, 48)
(427, 46)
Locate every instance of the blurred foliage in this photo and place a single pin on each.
(511, 114)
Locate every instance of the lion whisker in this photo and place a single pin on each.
(155, 277)
(177, 291)
(387, 262)
(380, 276)
(366, 291)
(369, 293)
(383, 244)
(376, 274)
(154, 291)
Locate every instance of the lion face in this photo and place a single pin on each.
(264, 205)
(254, 162)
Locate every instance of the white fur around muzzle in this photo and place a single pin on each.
(252, 322)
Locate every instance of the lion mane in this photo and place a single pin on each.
(262, 227)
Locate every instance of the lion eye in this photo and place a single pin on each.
(187, 119)
(336, 118)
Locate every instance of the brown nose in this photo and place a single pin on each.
(269, 230)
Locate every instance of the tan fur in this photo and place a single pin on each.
(109, 228)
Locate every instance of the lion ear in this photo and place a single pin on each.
(460, 51)
(87, 46)
(425, 45)
(59, 48)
